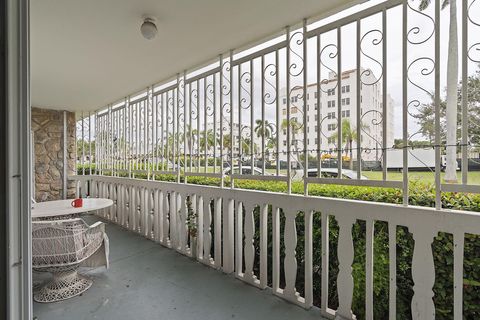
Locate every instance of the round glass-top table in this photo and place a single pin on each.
(60, 208)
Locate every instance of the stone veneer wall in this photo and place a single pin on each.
(47, 127)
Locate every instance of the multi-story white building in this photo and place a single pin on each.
(326, 119)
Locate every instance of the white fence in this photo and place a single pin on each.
(217, 226)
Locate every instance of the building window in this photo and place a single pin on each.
(346, 89)
(345, 113)
(316, 117)
(294, 99)
(285, 143)
(308, 96)
(331, 104)
(331, 115)
(331, 126)
(331, 92)
(316, 95)
(316, 129)
(347, 101)
(343, 101)
(284, 100)
(316, 106)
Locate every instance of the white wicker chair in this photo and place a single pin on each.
(61, 247)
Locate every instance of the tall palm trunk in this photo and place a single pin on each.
(452, 82)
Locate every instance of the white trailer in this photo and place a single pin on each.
(417, 159)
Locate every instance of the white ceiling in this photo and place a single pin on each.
(85, 54)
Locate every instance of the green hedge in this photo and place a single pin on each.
(419, 194)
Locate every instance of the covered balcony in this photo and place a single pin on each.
(265, 159)
(148, 281)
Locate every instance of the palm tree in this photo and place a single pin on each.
(295, 127)
(349, 135)
(271, 145)
(246, 144)
(85, 146)
(264, 128)
(189, 131)
(227, 141)
(171, 144)
(452, 82)
(207, 140)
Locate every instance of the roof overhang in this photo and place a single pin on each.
(85, 54)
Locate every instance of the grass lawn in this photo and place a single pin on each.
(473, 177)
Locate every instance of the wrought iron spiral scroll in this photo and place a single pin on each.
(247, 133)
(413, 105)
(225, 92)
(375, 122)
(321, 131)
(424, 71)
(296, 67)
(377, 40)
(246, 97)
(416, 31)
(170, 106)
(226, 88)
(159, 120)
(193, 100)
(270, 94)
(473, 49)
(149, 125)
(134, 127)
(181, 101)
(331, 55)
(426, 65)
(210, 94)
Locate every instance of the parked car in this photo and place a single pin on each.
(333, 173)
(245, 170)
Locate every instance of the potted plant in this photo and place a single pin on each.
(192, 227)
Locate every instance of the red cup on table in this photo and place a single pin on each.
(77, 203)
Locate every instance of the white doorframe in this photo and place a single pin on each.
(19, 272)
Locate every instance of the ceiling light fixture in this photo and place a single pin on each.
(149, 28)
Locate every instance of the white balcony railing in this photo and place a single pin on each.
(243, 108)
(231, 229)
(279, 109)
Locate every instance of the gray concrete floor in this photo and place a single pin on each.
(148, 281)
